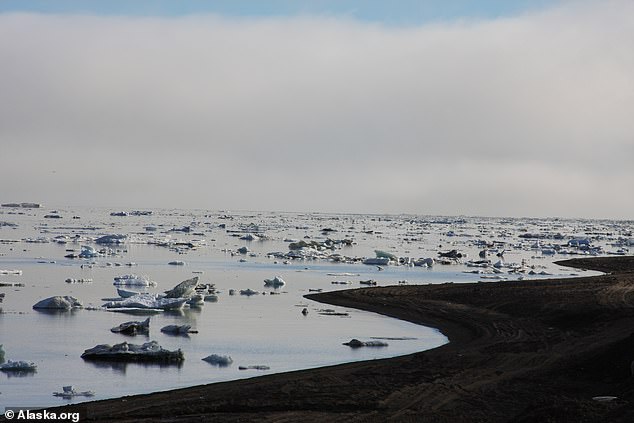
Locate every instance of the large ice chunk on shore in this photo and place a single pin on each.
(58, 303)
(150, 351)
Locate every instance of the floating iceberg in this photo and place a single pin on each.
(79, 280)
(18, 366)
(23, 205)
(88, 252)
(184, 289)
(69, 392)
(178, 329)
(384, 254)
(377, 261)
(111, 239)
(126, 293)
(218, 360)
(148, 301)
(276, 282)
(133, 280)
(196, 300)
(255, 367)
(150, 351)
(355, 343)
(453, 254)
(133, 328)
(58, 303)
(424, 262)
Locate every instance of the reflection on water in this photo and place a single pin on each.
(19, 373)
(121, 366)
(116, 366)
(57, 312)
(137, 311)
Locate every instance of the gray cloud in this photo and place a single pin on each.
(527, 115)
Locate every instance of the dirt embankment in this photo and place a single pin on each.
(530, 351)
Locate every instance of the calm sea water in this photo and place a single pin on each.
(258, 330)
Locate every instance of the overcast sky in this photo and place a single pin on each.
(521, 113)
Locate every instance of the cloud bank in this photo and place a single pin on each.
(521, 116)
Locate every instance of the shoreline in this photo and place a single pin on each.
(518, 351)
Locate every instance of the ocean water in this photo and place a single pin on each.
(263, 329)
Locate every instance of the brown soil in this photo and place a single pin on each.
(531, 351)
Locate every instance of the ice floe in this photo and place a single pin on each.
(133, 280)
(69, 392)
(184, 289)
(254, 367)
(149, 351)
(18, 366)
(133, 328)
(147, 301)
(178, 329)
(111, 239)
(276, 282)
(218, 360)
(126, 293)
(355, 343)
(58, 303)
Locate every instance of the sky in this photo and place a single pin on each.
(484, 108)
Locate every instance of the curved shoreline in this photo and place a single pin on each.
(518, 351)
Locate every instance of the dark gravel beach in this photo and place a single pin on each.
(530, 351)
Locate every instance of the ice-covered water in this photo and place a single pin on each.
(262, 329)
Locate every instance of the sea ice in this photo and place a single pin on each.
(148, 301)
(111, 239)
(18, 366)
(150, 351)
(126, 293)
(69, 392)
(133, 280)
(184, 289)
(276, 282)
(133, 328)
(355, 343)
(218, 360)
(58, 303)
(178, 329)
